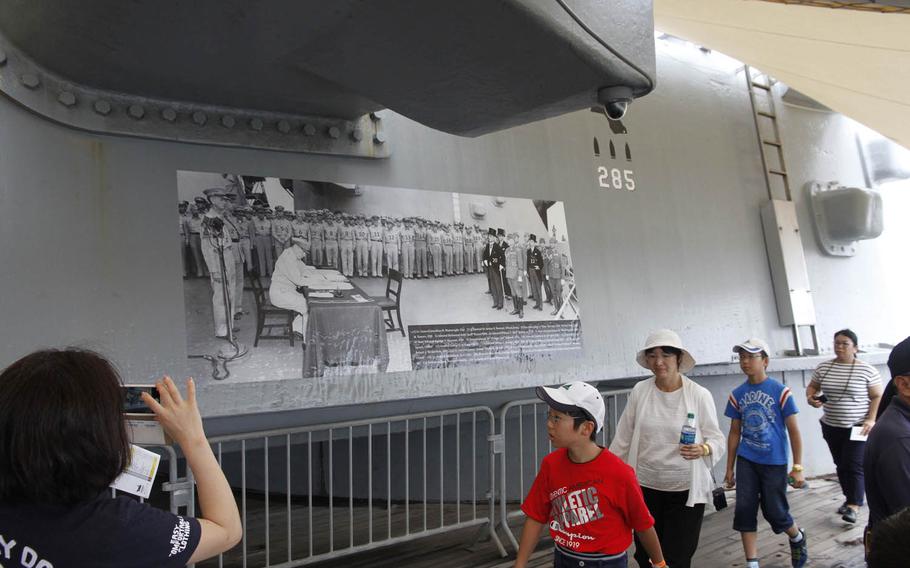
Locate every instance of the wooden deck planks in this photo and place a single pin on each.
(832, 542)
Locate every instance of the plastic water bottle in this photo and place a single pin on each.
(687, 435)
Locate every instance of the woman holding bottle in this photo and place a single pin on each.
(675, 477)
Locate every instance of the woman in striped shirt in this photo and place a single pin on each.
(848, 390)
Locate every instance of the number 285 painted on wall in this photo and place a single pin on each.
(616, 178)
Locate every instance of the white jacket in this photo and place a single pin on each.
(696, 399)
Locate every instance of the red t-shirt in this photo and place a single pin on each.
(590, 507)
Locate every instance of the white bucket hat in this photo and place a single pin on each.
(570, 396)
(666, 338)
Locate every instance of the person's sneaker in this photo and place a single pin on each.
(799, 551)
(849, 515)
(842, 510)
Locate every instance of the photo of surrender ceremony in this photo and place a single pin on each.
(356, 279)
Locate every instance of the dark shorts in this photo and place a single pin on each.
(567, 559)
(765, 486)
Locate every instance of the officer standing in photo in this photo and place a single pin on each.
(331, 240)
(420, 250)
(245, 227)
(346, 246)
(376, 237)
(281, 231)
(392, 239)
(194, 230)
(503, 245)
(468, 250)
(262, 229)
(479, 243)
(233, 228)
(407, 249)
(556, 274)
(184, 234)
(515, 276)
(362, 246)
(448, 264)
(458, 248)
(434, 241)
(218, 251)
(535, 268)
(317, 240)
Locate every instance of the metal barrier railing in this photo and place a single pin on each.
(512, 435)
(305, 497)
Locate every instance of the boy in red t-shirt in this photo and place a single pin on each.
(587, 496)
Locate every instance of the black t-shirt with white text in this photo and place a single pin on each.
(101, 533)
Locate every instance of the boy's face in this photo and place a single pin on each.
(561, 429)
(752, 363)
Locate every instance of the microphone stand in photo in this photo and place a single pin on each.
(220, 361)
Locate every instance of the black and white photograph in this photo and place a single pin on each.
(291, 279)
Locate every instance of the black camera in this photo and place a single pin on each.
(720, 498)
(821, 398)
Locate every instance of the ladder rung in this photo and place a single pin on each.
(761, 86)
(771, 143)
(778, 173)
(767, 114)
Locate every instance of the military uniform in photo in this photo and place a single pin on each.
(346, 248)
(218, 251)
(194, 228)
(362, 247)
(262, 243)
(392, 246)
(317, 243)
(448, 263)
(407, 251)
(331, 243)
(535, 271)
(434, 242)
(420, 251)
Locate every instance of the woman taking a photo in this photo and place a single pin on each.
(63, 441)
(848, 390)
(675, 478)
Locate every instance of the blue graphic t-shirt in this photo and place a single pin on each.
(762, 409)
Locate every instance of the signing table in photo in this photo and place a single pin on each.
(344, 327)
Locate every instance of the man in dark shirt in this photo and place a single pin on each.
(887, 456)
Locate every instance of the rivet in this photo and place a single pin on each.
(67, 98)
(2, 57)
(379, 138)
(228, 121)
(309, 129)
(169, 114)
(30, 80)
(136, 111)
(102, 107)
(357, 135)
(256, 124)
(199, 117)
(333, 132)
(284, 126)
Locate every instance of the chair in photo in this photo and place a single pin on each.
(268, 317)
(391, 302)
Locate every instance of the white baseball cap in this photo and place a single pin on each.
(575, 396)
(753, 345)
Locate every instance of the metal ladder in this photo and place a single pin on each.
(774, 166)
(777, 180)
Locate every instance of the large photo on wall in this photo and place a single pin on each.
(295, 279)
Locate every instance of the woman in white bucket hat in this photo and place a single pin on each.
(675, 478)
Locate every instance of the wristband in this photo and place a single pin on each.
(797, 468)
(663, 564)
(707, 449)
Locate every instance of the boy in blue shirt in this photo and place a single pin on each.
(762, 413)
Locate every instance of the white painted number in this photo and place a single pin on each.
(615, 178)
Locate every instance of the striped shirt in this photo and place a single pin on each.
(847, 387)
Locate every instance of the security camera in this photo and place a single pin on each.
(615, 101)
